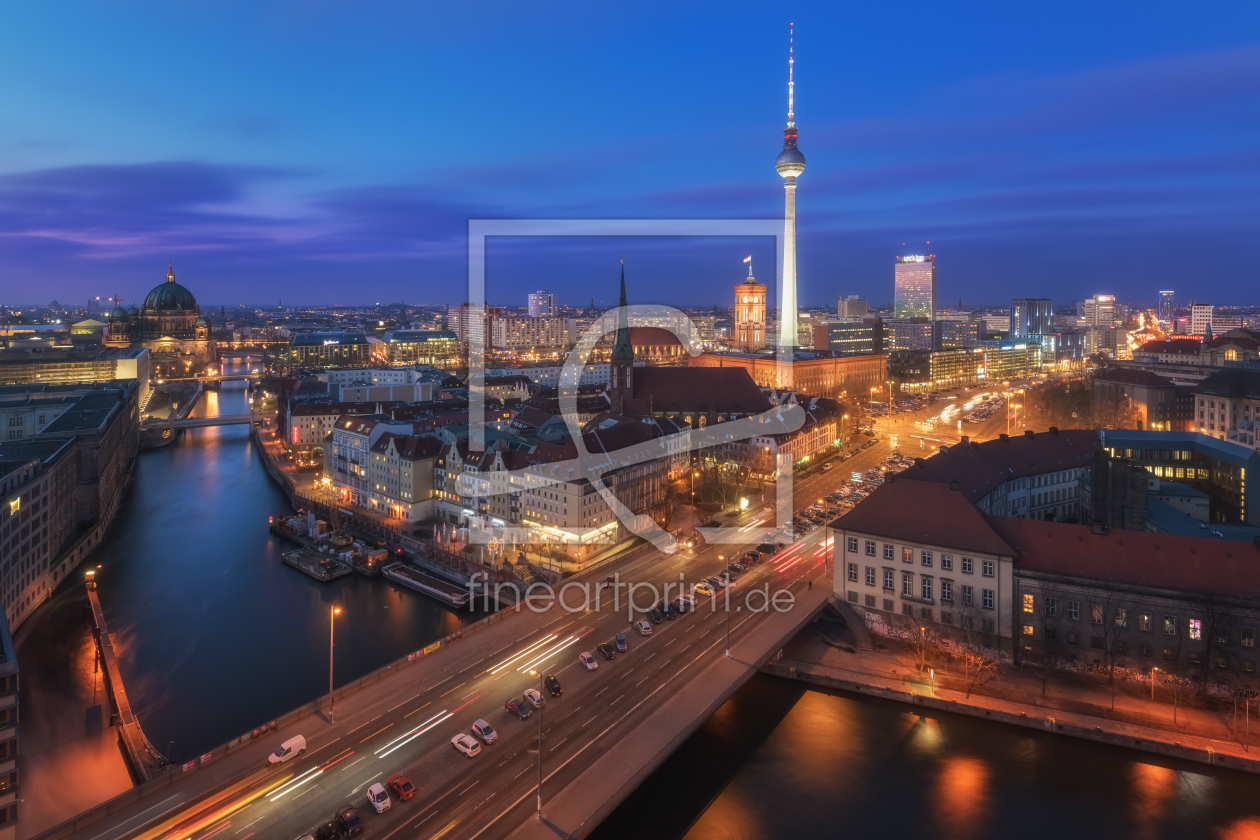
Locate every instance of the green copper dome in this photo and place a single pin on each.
(170, 297)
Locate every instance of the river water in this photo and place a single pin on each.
(217, 636)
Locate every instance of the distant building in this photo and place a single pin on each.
(509, 332)
(1031, 316)
(439, 348)
(1166, 313)
(330, 349)
(401, 473)
(73, 367)
(915, 287)
(909, 334)
(849, 338)
(1162, 405)
(543, 305)
(852, 307)
(1200, 318)
(750, 314)
(1227, 406)
(934, 370)
(169, 324)
(1099, 310)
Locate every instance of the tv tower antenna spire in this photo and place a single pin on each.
(791, 84)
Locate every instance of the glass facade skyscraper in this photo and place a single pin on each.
(1031, 316)
(915, 293)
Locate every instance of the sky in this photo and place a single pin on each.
(333, 152)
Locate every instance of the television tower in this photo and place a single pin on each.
(789, 164)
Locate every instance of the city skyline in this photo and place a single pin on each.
(248, 183)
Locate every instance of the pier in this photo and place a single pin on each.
(319, 566)
(141, 757)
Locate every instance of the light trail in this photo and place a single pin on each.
(417, 733)
(289, 788)
(522, 654)
(553, 651)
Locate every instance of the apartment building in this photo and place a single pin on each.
(401, 473)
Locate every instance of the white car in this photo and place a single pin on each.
(484, 731)
(466, 744)
(294, 746)
(588, 661)
(534, 697)
(378, 798)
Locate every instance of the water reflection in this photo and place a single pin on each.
(961, 798)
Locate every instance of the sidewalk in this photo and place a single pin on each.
(1071, 705)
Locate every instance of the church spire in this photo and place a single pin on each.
(170, 273)
(622, 349)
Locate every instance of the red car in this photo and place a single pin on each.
(402, 787)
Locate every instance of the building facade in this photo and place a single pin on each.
(914, 278)
(1031, 316)
(331, 349)
(750, 315)
(169, 324)
(543, 304)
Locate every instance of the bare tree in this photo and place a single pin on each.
(1113, 615)
(1044, 612)
(979, 659)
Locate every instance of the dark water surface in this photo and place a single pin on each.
(216, 636)
(780, 761)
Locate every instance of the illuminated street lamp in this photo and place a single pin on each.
(331, 615)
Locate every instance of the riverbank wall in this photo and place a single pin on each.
(1101, 730)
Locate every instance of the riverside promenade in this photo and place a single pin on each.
(1069, 708)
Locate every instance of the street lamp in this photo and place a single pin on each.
(331, 615)
(538, 672)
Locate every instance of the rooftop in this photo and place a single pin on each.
(1223, 450)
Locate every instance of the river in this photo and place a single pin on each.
(216, 637)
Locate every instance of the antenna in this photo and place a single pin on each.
(791, 84)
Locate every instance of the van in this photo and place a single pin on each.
(294, 746)
(645, 628)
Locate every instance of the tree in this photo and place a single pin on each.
(1113, 615)
(1044, 612)
(978, 658)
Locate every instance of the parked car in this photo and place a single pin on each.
(293, 747)
(349, 822)
(401, 786)
(606, 650)
(484, 731)
(553, 685)
(534, 697)
(587, 661)
(645, 628)
(620, 642)
(703, 588)
(654, 615)
(378, 798)
(327, 830)
(466, 744)
(517, 707)
(669, 611)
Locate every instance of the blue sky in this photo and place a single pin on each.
(325, 151)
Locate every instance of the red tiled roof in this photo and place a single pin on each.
(1181, 346)
(1225, 341)
(652, 336)
(980, 467)
(410, 447)
(1133, 376)
(924, 512)
(1140, 558)
(727, 390)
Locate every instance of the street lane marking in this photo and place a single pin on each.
(619, 696)
(364, 782)
(141, 814)
(518, 775)
(303, 793)
(377, 732)
(590, 721)
(403, 703)
(601, 691)
(470, 787)
(360, 726)
(557, 746)
(461, 685)
(474, 665)
(642, 681)
(413, 711)
(435, 685)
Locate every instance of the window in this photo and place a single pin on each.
(1169, 653)
(907, 609)
(1096, 642)
(925, 557)
(1247, 666)
(870, 601)
(1249, 637)
(925, 613)
(1121, 618)
(888, 605)
(906, 580)
(987, 626)
(988, 599)
(853, 596)
(1029, 602)
(907, 555)
(1219, 662)
(1073, 639)
(1144, 622)
(1028, 631)
(966, 567)
(853, 544)
(870, 548)
(853, 571)
(1074, 610)
(967, 595)
(925, 586)
(1196, 630)
(888, 551)
(947, 617)
(1096, 613)
(888, 579)
(947, 590)
(1170, 625)
(870, 575)
(1050, 606)
(988, 568)
(947, 562)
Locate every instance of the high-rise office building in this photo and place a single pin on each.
(789, 164)
(1099, 310)
(543, 305)
(1200, 317)
(1165, 307)
(852, 307)
(915, 282)
(1031, 316)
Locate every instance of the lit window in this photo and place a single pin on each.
(1196, 630)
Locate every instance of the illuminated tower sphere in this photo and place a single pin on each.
(789, 164)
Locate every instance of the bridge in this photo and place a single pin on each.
(199, 422)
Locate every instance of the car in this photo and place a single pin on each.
(307, 836)
(553, 685)
(737, 567)
(588, 661)
(378, 798)
(401, 786)
(517, 706)
(327, 830)
(535, 698)
(669, 611)
(645, 628)
(349, 822)
(726, 576)
(606, 650)
(293, 747)
(703, 588)
(686, 600)
(484, 731)
(466, 744)
(620, 642)
(654, 615)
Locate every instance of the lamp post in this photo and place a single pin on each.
(332, 613)
(532, 672)
(1153, 670)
